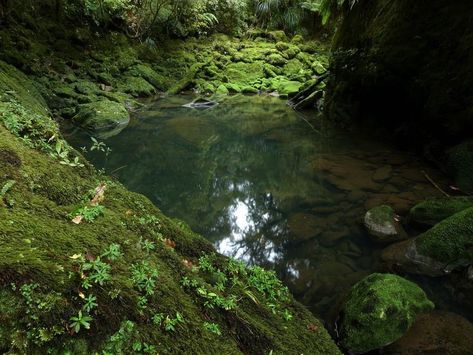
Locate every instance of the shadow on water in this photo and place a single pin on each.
(268, 186)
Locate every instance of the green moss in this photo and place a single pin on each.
(147, 73)
(136, 86)
(222, 90)
(16, 84)
(450, 240)
(379, 310)
(276, 59)
(101, 115)
(86, 87)
(431, 212)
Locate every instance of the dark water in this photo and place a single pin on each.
(268, 186)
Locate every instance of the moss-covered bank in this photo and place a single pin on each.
(89, 267)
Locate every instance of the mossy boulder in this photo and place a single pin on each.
(101, 115)
(136, 86)
(382, 225)
(276, 59)
(449, 241)
(379, 310)
(144, 71)
(86, 87)
(431, 212)
(222, 90)
(460, 165)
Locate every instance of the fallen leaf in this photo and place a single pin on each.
(454, 188)
(188, 264)
(81, 295)
(75, 256)
(77, 219)
(170, 243)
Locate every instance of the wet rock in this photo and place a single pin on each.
(201, 103)
(304, 226)
(382, 225)
(346, 173)
(404, 256)
(435, 333)
(433, 211)
(379, 310)
(101, 115)
(382, 174)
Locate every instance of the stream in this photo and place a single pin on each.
(270, 186)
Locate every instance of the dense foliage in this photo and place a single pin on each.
(182, 18)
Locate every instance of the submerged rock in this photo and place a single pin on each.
(304, 226)
(379, 310)
(435, 333)
(431, 212)
(101, 115)
(382, 225)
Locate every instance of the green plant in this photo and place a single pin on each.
(90, 303)
(89, 213)
(113, 252)
(144, 276)
(171, 323)
(99, 146)
(212, 327)
(80, 321)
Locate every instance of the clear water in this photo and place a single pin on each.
(268, 185)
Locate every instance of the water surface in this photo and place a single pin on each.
(268, 185)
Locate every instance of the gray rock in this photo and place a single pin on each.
(382, 225)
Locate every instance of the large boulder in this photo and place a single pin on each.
(440, 250)
(431, 212)
(101, 115)
(383, 226)
(451, 240)
(379, 310)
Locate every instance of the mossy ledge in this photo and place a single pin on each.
(127, 279)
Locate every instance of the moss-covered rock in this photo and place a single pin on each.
(101, 115)
(379, 310)
(382, 225)
(86, 87)
(136, 86)
(449, 241)
(143, 71)
(431, 212)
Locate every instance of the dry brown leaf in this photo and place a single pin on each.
(188, 264)
(77, 219)
(170, 243)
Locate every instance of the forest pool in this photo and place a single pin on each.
(270, 186)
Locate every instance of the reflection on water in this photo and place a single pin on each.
(267, 187)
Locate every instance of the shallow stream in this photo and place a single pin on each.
(269, 186)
